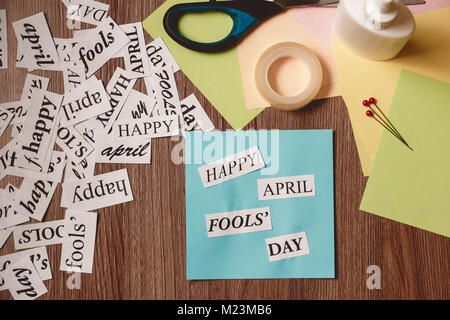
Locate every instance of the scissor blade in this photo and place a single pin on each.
(296, 3)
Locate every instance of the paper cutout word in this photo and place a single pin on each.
(287, 246)
(286, 187)
(236, 222)
(231, 167)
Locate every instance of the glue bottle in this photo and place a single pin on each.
(374, 29)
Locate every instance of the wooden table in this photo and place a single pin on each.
(140, 250)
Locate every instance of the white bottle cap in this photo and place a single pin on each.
(381, 14)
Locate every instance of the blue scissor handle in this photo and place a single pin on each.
(246, 14)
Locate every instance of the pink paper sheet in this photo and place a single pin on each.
(319, 20)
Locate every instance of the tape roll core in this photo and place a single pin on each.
(288, 50)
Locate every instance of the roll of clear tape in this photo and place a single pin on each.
(288, 50)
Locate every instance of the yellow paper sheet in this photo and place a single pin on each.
(425, 55)
(412, 187)
(278, 29)
(217, 75)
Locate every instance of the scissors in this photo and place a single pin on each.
(246, 15)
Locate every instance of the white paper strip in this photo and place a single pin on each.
(97, 192)
(195, 117)
(36, 138)
(231, 167)
(18, 109)
(287, 246)
(237, 222)
(38, 256)
(9, 217)
(166, 93)
(54, 173)
(4, 235)
(7, 156)
(38, 234)
(73, 144)
(37, 42)
(286, 187)
(118, 89)
(87, 101)
(137, 106)
(3, 40)
(159, 55)
(101, 45)
(23, 281)
(33, 82)
(88, 11)
(33, 198)
(5, 118)
(134, 53)
(108, 150)
(83, 170)
(154, 127)
(77, 253)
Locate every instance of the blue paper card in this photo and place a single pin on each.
(245, 256)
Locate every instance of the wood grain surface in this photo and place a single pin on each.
(140, 250)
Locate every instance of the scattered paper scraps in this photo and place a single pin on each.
(38, 256)
(73, 144)
(4, 235)
(33, 82)
(195, 117)
(166, 92)
(91, 124)
(118, 89)
(36, 139)
(3, 40)
(237, 222)
(88, 11)
(5, 118)
(85, 102)
(83, 170)
(38, 234)
(100, 45)
(96, 192)
(286, 187)
(287, 246)
(154, 127)
(34, 197)
(137, 106)
(54, 172)
(23, 280)
(231, 167)
(108, 150)
(159, 55)
(77, 253)
(36, 43)
(134, 53)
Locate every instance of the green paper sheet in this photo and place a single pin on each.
(216, 75)
(413, 187)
